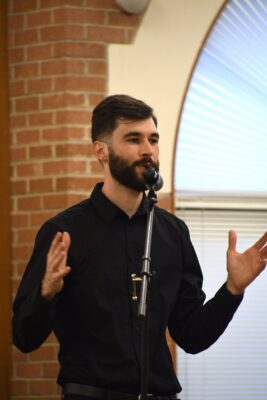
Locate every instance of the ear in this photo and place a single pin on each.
(100, 150)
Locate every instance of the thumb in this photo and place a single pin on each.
(232, 238)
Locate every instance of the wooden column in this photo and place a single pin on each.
(5, 237)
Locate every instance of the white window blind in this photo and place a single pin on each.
(235, 367)
(221, 151)
(222, 140)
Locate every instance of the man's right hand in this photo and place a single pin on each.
(56, 268)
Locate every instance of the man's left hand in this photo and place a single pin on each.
(244, 267)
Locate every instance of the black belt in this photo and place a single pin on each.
(104, 394)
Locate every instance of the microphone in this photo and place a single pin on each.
(152, 178)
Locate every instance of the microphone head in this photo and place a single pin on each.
(152, 178)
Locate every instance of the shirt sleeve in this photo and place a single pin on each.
(195, 325)
(33, 316)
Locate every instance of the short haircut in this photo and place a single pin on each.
(115, 108)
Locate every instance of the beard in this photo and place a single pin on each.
(126, 174)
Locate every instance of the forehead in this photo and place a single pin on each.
(145, 127)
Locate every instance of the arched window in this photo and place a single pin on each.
(220, 181)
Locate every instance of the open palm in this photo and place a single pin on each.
(244, 267)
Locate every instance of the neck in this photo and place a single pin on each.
(125, 198)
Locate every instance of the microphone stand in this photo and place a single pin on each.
(143, 306)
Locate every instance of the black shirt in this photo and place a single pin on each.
(95, 318)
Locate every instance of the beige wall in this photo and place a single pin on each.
(157, 66)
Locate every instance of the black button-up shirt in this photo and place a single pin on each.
(95, 318)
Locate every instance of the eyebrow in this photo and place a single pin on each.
(136, 133)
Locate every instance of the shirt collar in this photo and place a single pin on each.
(108, 210)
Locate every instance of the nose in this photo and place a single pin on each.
(146, 149)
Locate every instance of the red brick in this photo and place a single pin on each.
(39, 52)
(26, 70)
(17, 88)
(77, 49)
(17, 355)
(25, 236)
(40, 151)
(57, 67)
(123, 19)
(106, 34)
(19, 220)
(26, 37)
(16, 55)
(56, 3)
(27, 104)
(80, 83)
(73, 149)
(27, 136)
(19, 387)
(42, 387)
(50, 370)
(29, 203)
(40, 119)
(62, 100)
(22, 6)
(51, 397)
(63, 166)
(21, 252)
(55, 201)
(41, 185)
(94, 99)
(62, 32)
(96, 167)
(65, 133)
(11, 38)
(61, 201)
(16, 22)
(18, 187)
(38, 18)
(106, 4)
(14, 287)
(17, 121)
(18, 154)
(73, 117)
(37, 219)
(28, 370)
(30, 169)
(79, 15)
(40, 85)
(130, 35)
(76, 183)
(98, 67)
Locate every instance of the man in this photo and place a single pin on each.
(79, 284)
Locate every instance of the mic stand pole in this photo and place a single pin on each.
(143, 306)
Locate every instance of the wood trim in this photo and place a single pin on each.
(5, 236)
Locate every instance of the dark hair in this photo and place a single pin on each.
(108, 112)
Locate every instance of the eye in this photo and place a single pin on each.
(154, 140)
(133, 140)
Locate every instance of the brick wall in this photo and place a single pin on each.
(58, 72)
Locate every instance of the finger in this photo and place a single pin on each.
(263, 252)
(56, 241)
(261, 242)
(54, 262)
(66, 240)
(62, 273)
(232, 238)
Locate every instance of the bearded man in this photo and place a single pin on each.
(78, 282)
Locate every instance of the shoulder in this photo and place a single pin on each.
(70, 219)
